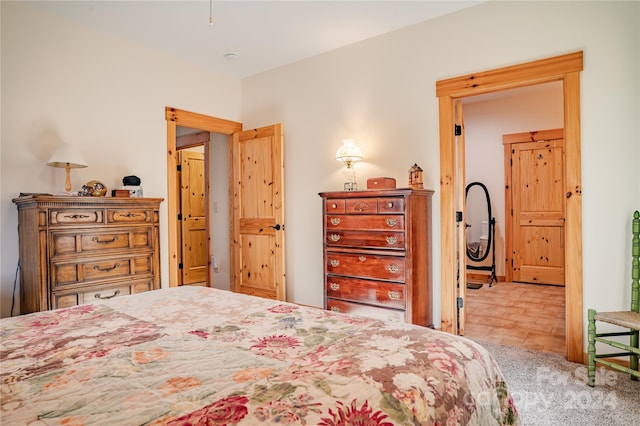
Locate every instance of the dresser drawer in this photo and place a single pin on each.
(389, 268)
(378, 293)
(361, 205)
(390, 205)
(130, 216)
(334, 206)
(371, 222)
(71, 273)
(76, 216)
(375, 312)
(97, 294)
(100, 241)
(366, 239)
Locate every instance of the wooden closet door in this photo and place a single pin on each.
(538, 211)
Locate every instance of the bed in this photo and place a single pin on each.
(196, 355)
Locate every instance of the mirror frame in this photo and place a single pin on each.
(489, 218)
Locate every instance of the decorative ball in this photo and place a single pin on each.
(94, 188)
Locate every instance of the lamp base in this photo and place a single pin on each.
(350, 186)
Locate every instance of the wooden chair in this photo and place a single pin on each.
(627, 319)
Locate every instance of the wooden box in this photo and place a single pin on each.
(381, 183)
(120, 193)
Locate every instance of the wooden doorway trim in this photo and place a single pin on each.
(565, 68)
(176, 117)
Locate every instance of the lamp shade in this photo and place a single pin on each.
(349, 152)
(67, 156)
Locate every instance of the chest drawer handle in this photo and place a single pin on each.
(334, 237)
(362, 206)
(392, 268)
(97, 240)
(335, 221)
(335, 309)
(390, 204)
(394, 295)
(131, 215)
(362, 259)
(392, 222)
(98, 268)
(334, 286)
(334, 206)
(115, 293)
(392, 240)
(335, 263)
(76, 216)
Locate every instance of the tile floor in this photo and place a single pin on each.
(530, 316)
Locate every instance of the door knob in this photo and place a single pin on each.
(276, 227)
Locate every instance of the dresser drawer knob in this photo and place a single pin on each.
(362, 206)
(98, 240)
(334, 237)
(394, 295)
(334, 286)
(335, 263)
(392, 268)
(334, 206)
(392, 222)
(390, 204)
(362, 258)
(115, 293)
(392, 240)
(98, 268)
(335, 309)
(335, 221)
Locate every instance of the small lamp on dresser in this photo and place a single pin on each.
(69, 157)
(349, 153)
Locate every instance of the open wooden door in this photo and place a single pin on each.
(194, 265)
(257, 212)
(461, 229)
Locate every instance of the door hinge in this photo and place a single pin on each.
(459, 302)
(180, 265)
(458, 217)
(179, 216)
(179, 167)
(457, 129)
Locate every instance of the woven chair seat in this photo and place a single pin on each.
(627, 319)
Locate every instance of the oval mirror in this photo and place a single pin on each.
(478, 216)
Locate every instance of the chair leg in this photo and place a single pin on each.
(591, 349)
(634, 358)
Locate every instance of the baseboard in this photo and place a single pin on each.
(471, 276)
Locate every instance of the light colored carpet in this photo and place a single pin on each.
(548, 390)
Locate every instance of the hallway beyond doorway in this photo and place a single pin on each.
(530, 316)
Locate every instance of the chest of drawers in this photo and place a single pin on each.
(377, 254)
(77, 249)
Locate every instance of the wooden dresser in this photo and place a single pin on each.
(77, 249)
(377, 254)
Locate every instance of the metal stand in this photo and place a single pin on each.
(492, 267)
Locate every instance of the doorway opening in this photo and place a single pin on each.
(210, 128)
(565, 68)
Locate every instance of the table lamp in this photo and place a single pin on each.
(349, 154)
(69, 157)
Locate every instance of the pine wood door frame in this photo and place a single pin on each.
(176, 117)
(565, 68)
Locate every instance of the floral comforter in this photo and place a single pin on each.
(194, 355)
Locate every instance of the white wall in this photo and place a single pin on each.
(485, 121)
(62, 82)
(382, 92)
